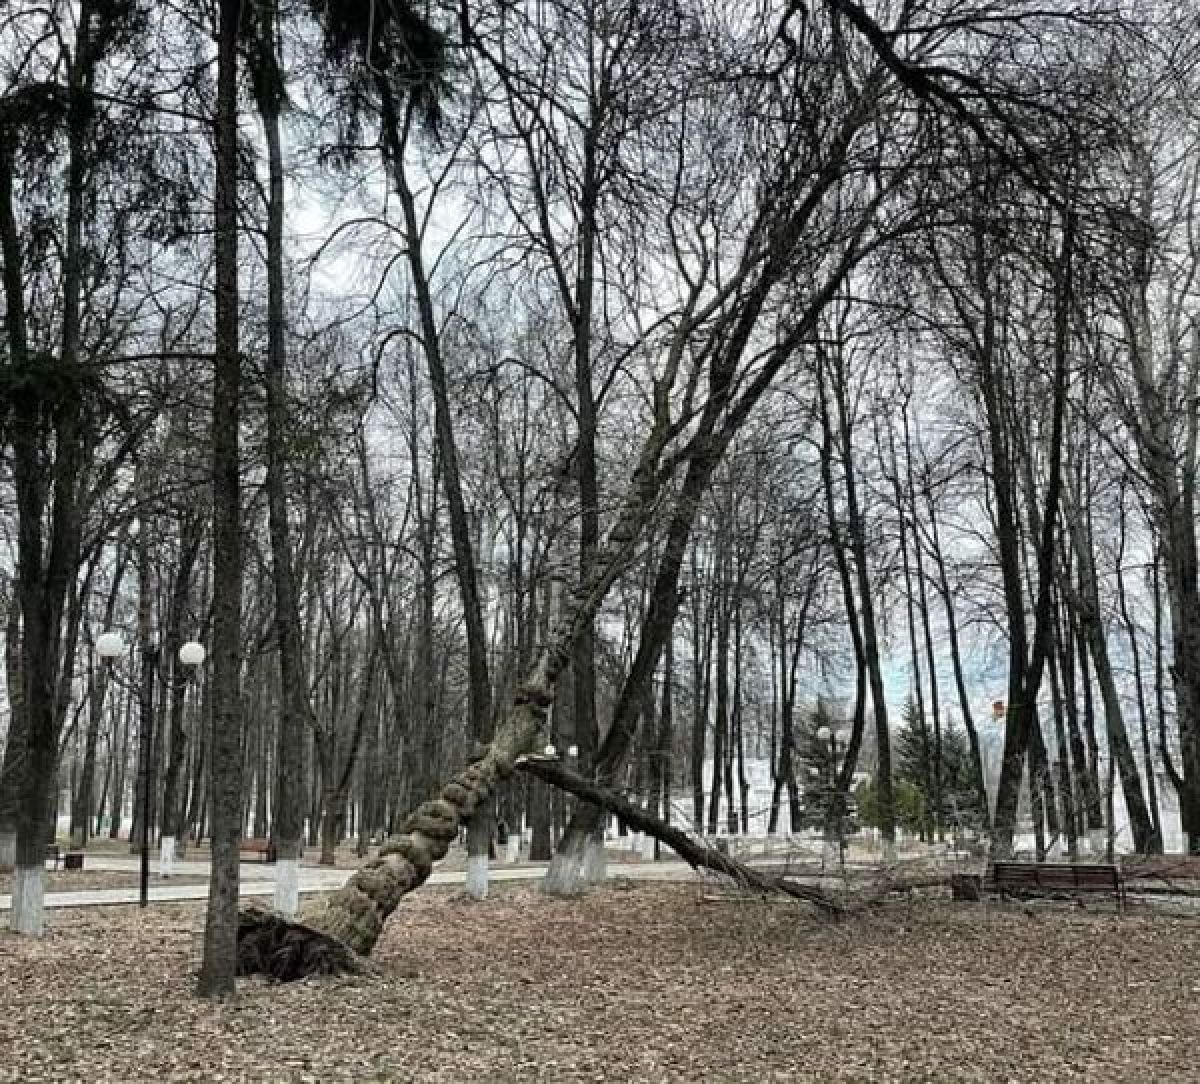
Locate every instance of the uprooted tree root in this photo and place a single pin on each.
(271, 945)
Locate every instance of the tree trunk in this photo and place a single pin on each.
(82, 802)
(48, 549)
(1066, 790)
(191, 536)
(701, 653)
(831, 378)
(11, 774)
(1026, 668)
(661, 775)
(1095, 811)
(219, 962)
(935, 706)
(1131, 631)
(294, 708)
(960, 681)
(720, 772)
(1087, 604)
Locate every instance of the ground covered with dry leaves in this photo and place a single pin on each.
(633, 983)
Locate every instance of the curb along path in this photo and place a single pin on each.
(315, 879)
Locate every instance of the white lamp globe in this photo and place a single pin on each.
(549, 751)
(192, 653)
(573, 751)
(110, 645)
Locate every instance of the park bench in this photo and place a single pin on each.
(262, 849)
(1056, 879)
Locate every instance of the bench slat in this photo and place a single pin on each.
(1062, 877)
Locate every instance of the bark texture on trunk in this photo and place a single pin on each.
(14, 746)
(219, 962)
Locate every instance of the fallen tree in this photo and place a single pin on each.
(336, 935)
(696, 853)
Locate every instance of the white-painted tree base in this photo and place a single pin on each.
(28, 914)
(477, 876)
(513, 849)
(287, 887)
(8, 850)
(830, 854)
(565, 875)
(647, 848)
(595, 862)
(1095, 842)
(166, 856)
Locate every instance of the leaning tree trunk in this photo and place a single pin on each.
(695, 852)
(332, 931)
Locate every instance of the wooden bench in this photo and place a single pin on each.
(1056, 878)
(262, 849)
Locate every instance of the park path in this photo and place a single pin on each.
(259, 880)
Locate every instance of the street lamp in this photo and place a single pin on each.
(191, 656)
(111, 645)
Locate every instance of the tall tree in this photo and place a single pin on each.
(218, 964)
(295, 710)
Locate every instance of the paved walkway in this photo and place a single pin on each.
(259, 880)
